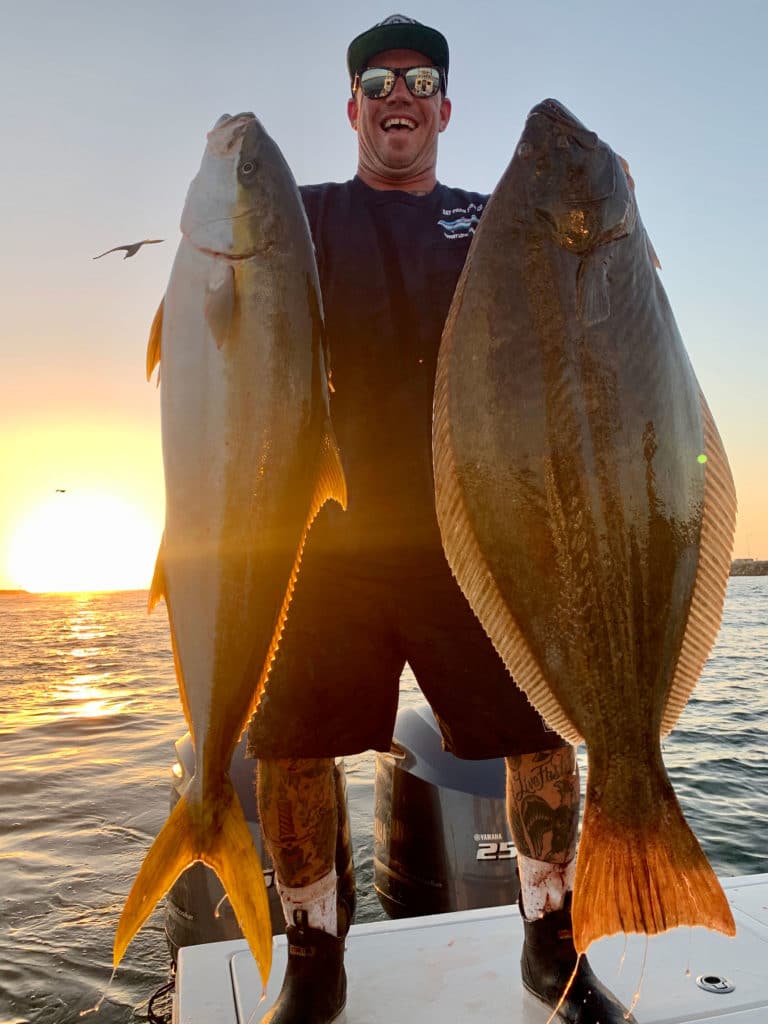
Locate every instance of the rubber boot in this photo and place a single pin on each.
(547, 963)
(315, 984)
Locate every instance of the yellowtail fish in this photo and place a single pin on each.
(586, 505)
(249, 458)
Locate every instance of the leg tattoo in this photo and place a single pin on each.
(543, 804)
(297, 807)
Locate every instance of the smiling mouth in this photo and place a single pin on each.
(399, 124)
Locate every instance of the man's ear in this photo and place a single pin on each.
(352, 111)
(445, 114)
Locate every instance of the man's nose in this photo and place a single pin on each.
(399, 90)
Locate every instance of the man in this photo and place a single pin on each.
(375, 589)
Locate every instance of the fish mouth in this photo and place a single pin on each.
(559, 114)
(574, 164)
(226, 134)
(576, 190)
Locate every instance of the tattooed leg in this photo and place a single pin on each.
(297, 807)
(298, 811)
(543, 812)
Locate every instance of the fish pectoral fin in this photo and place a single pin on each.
(227, 847)
(219, 307)
(157, 588)
(155, 338)
(593, 302)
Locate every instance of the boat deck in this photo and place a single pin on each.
(464, 967)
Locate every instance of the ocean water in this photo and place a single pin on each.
(88, 717)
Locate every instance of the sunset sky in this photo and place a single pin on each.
(105, 110)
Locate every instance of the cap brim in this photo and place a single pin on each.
(402, 36)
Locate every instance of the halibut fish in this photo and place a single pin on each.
(586, 505)
(249, 458)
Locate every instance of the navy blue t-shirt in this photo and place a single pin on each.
(388, 264)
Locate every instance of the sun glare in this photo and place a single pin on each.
(76, 543)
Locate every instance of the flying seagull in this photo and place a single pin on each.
(132, 249)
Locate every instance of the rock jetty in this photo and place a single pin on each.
(748, 567)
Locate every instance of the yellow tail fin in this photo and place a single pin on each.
(643, 872)
(224, 844)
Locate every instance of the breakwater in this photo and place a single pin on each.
(749, 567)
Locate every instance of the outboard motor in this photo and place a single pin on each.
(441, 837)
(196, 907)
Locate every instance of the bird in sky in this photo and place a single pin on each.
(132, 249)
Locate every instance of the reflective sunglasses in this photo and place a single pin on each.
(376, 83)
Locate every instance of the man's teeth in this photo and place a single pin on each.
(399, 122)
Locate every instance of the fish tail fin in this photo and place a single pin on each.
(646, 875)
(234, 859)
(224, 844)
(172, 851)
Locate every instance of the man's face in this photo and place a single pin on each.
(397, 135)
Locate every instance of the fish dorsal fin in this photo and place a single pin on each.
(155, 339)
(330, 484)
(717, 530)
(473, 574)
(219, 305)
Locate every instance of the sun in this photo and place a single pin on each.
(83, 542)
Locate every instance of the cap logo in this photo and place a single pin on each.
(397, 19)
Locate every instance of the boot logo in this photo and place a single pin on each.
(305, 951)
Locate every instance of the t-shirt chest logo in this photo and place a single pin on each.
(460, 221)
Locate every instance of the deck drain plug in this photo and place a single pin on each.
(714, 983)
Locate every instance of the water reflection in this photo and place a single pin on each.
(79, 649)
(86, 696)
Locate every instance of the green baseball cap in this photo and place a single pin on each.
(397, 33)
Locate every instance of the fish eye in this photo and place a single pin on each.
(248, 167)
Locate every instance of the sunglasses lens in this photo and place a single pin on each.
(422, 82)
(377, 83)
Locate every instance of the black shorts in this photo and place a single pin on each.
(353, 624)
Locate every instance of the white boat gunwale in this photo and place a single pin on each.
(463, 966)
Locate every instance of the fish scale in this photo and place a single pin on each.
(576, 515)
